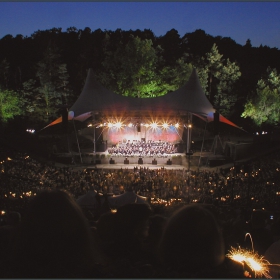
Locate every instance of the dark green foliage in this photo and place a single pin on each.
(50, 66)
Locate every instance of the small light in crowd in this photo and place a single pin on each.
(30, 130)
(3, 212)
(9, 158)
(90, 125)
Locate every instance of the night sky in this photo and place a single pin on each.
(257, 21)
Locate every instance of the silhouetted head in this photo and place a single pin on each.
(54, 239)
(121, 233)
(192, 240)
(156, 225)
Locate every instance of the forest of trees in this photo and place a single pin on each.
(49, 68)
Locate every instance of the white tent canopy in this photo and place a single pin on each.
(95, 98)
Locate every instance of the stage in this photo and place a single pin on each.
(202, 160)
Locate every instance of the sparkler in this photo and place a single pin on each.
(257, 263)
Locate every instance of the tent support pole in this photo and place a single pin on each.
(77, 141)
(189, 136)
(94, 137)
(202, 144)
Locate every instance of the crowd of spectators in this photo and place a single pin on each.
(139, 240)
(141, 148)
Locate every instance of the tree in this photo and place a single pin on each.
(218, 77)
(10, 105)
(53, 79)
(130, 69)
(49, 90)
(264, 107)
(4, 72)
(171, 45)
(176, 76)
(248, 44)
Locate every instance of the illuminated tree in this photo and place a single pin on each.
(218, 77)
(50, 89)
(130, 69)
(10, 105)
(264, 106)
(173, 77)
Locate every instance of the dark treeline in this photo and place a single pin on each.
(50, 67)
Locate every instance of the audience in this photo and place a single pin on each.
(192, 219)
(191, 241)
(53, 240)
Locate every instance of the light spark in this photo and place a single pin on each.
(254, 261)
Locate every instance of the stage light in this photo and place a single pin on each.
(177, 125)
(147, 125)
(118, 124)
(165, 125)
(110, 125)
(154, 125)
(189, 125)
(130, 125)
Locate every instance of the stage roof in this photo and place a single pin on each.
(96, 99)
